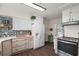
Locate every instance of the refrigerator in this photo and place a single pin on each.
(38, 34)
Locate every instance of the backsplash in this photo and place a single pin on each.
(13, 33)
(59, 30)
(71, 31)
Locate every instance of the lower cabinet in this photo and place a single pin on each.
(30, 43)
(78, 49)
(6, 48)
(21, 44)
(17, 49)
(16, 45)
(0, 49)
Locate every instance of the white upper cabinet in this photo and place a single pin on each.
(65, 16)
(71, 14)
(21, 24)
(75, 13)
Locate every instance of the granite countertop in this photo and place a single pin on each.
(6, 38)
(13, 37)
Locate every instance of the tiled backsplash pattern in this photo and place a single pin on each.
(13, 33)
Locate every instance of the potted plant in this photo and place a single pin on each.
(33, 18)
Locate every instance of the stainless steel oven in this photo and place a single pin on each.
(68, 47)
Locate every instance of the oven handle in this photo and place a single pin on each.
(68, 42)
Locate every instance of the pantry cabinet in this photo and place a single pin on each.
(71, 14)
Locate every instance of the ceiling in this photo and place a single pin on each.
(54, 10)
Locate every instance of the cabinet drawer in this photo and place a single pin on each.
(19, 43)
(19, 48)
(17, 39)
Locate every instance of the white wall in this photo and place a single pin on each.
(51, 24)
(19, 12)
(21, 24)
(46, 23)
(16, 10)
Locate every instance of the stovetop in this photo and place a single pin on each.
(69, 39)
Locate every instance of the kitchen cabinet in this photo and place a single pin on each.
(6, 48)
(30, 44)
(0, 49)
(21, 43)
(75, 13)
(18, 45)
(71, 14)
(65, 16)
(78, 48)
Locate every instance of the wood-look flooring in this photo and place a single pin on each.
(46, 50)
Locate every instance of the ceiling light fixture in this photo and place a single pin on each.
(34, 5)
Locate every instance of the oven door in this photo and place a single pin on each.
(68, 47)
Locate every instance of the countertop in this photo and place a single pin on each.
(13, 37)
(6, 38)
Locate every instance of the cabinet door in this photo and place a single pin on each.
(7, 47)
(20, 48)
(78, 49)
(19, 43)
(27, 44)
(30, 44)
(65, 16)
(0, 49)
(75, 13)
